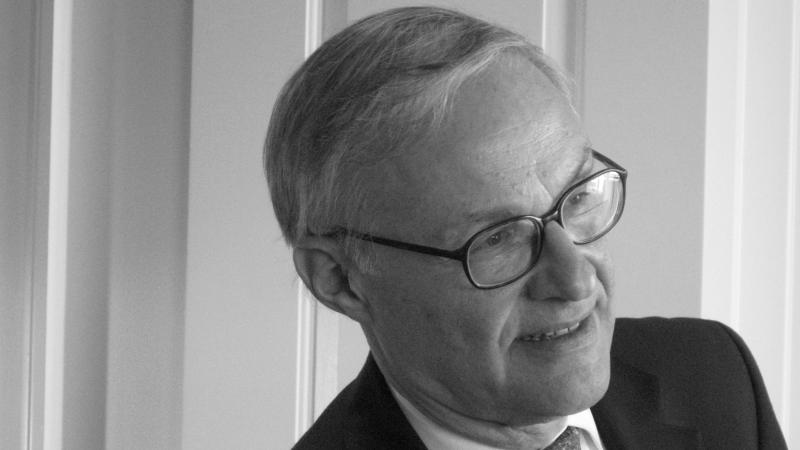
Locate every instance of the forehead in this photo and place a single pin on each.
(509, 144)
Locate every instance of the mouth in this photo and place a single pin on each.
(553, 334)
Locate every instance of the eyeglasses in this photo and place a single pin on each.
(504, 252)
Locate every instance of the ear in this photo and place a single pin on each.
(325, 269)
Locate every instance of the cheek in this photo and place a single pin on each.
(604, 269)
(406, 312)
(601, 260)
(433, 311)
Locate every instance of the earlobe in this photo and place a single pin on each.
(324, 268)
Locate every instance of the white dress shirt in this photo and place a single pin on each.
(436, 437)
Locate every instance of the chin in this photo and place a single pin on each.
(581, 390)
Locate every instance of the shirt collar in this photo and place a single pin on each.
(435, 436)
(584, 420)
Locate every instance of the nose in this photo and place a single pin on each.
(563, 270)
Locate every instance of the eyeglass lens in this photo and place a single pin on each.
(504, 252)
(591, 208)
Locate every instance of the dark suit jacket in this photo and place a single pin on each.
(675, 384)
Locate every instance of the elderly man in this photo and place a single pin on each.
(437, 187)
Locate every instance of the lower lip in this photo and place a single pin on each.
(579, 338)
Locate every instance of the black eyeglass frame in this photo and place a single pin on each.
(462, 253)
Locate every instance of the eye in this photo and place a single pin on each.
(504, 238)
(498, 238)
(587, 196)
(578, 198)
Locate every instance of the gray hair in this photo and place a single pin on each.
(376, 87)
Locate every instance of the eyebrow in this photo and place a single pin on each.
(584, 169)
(491, 215)
(473, 221)
(499, 213)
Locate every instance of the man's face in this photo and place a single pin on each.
(510, 146)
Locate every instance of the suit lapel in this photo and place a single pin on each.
(375, 420)
(635, 414)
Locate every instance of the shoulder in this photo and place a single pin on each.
(363, 416)
(701, 374)
(660, 337)
(701, 363)
(327, 430)
(657, 327)
(688, 350)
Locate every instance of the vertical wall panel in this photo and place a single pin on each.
(17, 173)
(105, 345)
(87, 239)
(791, 388)
(318, 326)
(241, 292)
(766, 149)
(563, 39)
(723, 161)
(49, 316)
(751, 230)
(149, 169)
(46, 111)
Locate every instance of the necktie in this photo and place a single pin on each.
(568, 440)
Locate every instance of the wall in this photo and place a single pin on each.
(751, 226)
(87, 226)
(645, 77)
(126, 219)
(109, 102)
(16, 170)
(148, 210)
(241, 292)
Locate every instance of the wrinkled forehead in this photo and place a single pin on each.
(508, 131)
(511, 106)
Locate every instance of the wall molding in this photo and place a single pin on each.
(563, 39)
(57, 218)
(87, 356)
(317, 326)
(306, 338)
(29, 155)
(306, 304)
(750, 246)
(789, 415)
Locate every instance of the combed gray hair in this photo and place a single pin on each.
(376, 87)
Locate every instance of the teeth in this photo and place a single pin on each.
(551, 334)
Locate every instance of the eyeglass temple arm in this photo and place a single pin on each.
(458, 254)
(609, 162)
(452, 254)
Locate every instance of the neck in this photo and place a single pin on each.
(495, 434)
